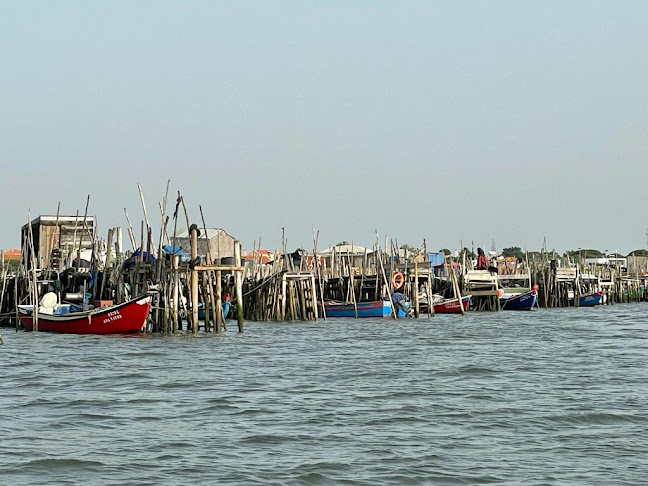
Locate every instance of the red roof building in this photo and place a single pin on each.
(10, 254)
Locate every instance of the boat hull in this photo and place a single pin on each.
(590, 300)
(129, 317)
(381, 308)
(525, 301)
(451, 306)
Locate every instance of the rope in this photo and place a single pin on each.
(263, 282)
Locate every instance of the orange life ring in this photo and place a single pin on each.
(397, 280)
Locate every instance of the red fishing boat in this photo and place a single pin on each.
(446, 306)
(129, 317)
(451, 306)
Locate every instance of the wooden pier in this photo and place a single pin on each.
(192, 272)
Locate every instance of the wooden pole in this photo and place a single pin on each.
(194, 279)
(131, 233)
(51, 242)
(175, 277)
(238, 276)
(319, 272)
(353, 296)
(220, 318)
(416, 292)
(209, 281)
(146, 218)
(429, 296)
(34, 282)
(314, 298)
(455, 285)
(108, 262)
(284, 297)
(85, 216)
(76, 224)
(382, 268)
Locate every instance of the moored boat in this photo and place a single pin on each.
(451, 306)
(522, 301)
(129, 317)
(379, 308)
(590, 300)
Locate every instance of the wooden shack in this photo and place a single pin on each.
(340, 258)
(217, 242)
(56, 237)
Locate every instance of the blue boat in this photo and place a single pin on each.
(380, 308)
(524, 301)
(201, 310)
(590, 300)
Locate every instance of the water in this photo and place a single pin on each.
(543, 397)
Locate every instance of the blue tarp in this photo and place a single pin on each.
(135, 256)
(174, 250)
(150, 258)
(436, 259)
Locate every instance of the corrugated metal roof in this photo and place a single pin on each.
(211, 232)
(63, 219)
(346, 250)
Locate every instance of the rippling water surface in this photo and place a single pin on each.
(542, 397)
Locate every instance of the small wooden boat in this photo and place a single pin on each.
(380, 308)
(451, 306)
(129, 317)
(590, 300)
(523, 301)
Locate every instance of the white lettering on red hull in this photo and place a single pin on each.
(112, 316)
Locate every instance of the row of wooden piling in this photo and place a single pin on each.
(287, 289)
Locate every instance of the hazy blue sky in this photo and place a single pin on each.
(455, 120)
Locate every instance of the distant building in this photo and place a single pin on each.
(10, 255)
(261, 256)
(218, 243)
(608, 260)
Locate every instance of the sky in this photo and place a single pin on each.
(455, 122)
